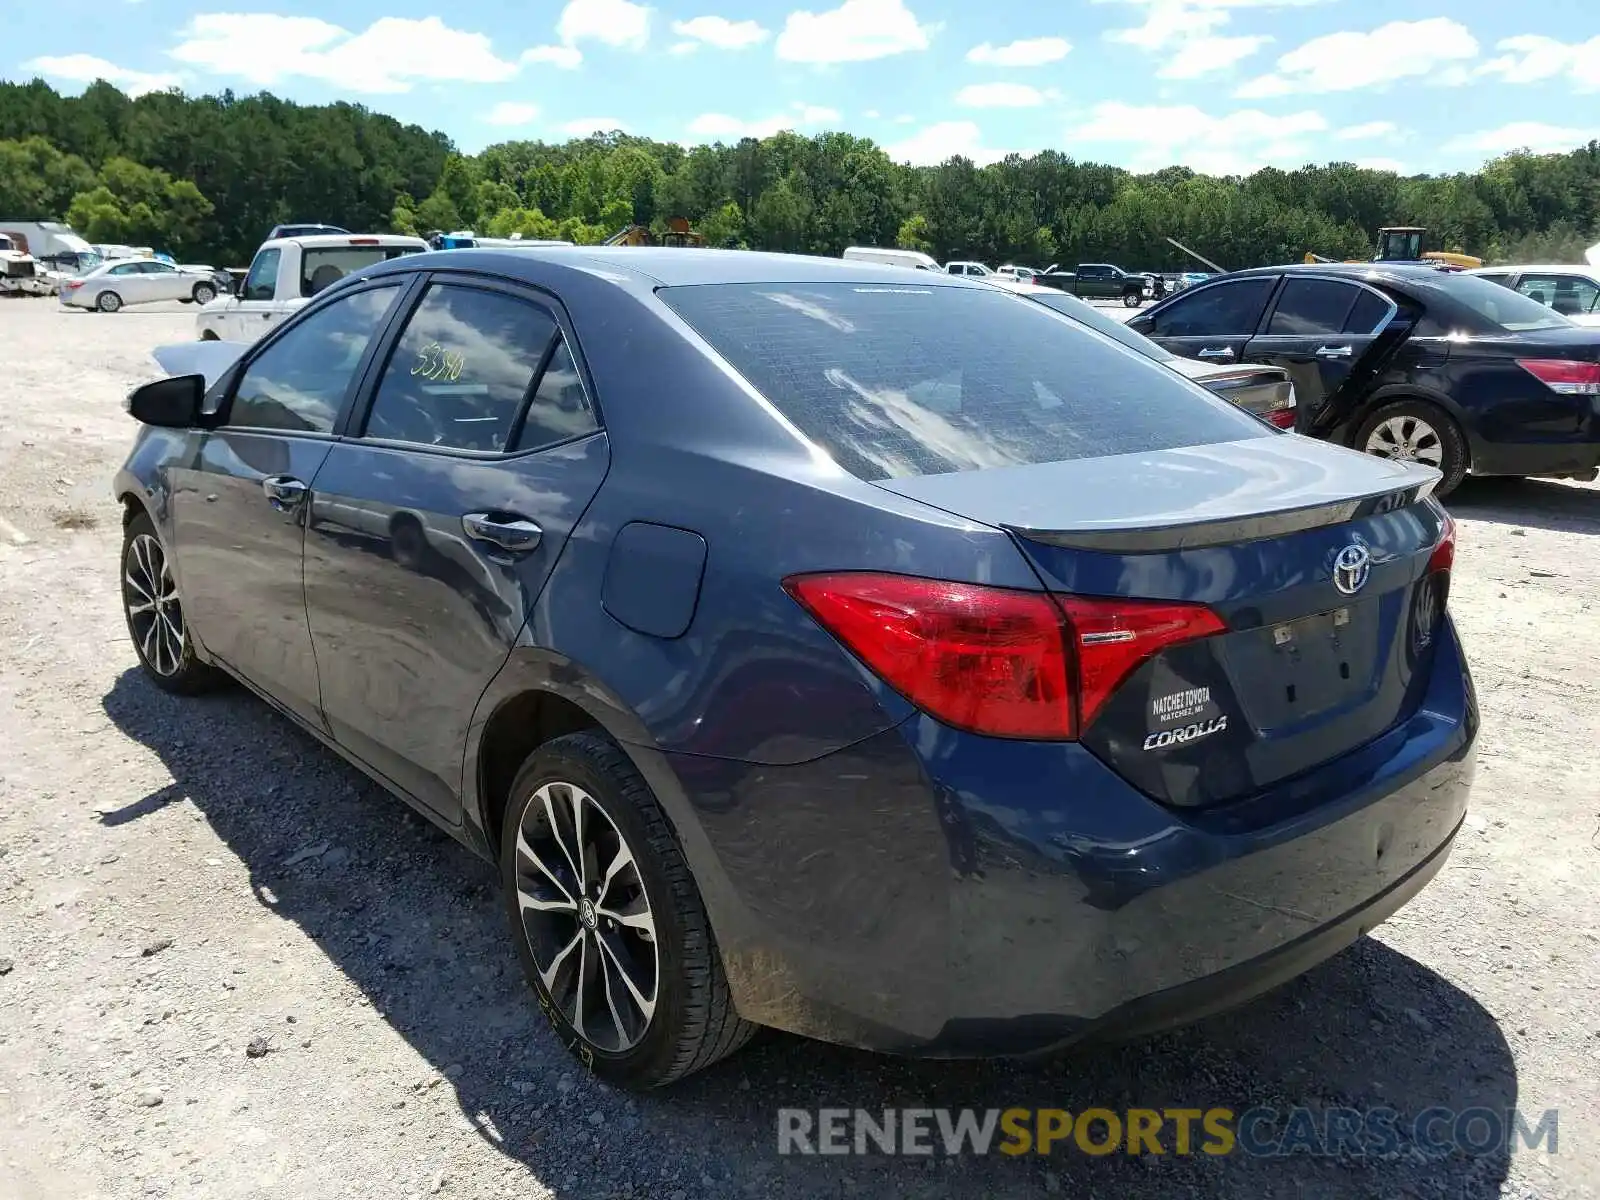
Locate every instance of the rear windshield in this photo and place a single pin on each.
(1501, 307)
(1091, 316)
(322, 268)
(901, 380)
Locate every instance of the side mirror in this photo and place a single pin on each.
(169, 403)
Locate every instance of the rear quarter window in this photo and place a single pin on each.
(895, 381)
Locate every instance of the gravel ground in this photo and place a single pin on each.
(231, 967)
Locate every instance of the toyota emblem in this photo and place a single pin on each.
(1351, 566)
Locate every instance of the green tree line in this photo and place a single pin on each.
(207, 176)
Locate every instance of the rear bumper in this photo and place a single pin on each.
(935, 893)
(1536, 458)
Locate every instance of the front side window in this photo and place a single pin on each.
(924, 379)
(299, 382)
(461, 371)
(1569, 295)
(1221, 310)
(262, 281)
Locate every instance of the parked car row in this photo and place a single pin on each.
(769, 620)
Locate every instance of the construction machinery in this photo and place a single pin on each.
(677, 233)
(1403, 244)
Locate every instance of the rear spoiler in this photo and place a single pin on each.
(1231, 530)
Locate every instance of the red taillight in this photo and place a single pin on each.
(1564, 375)
(1113, 637)
(994, 660)
(1444, 554)
(72, 284)
(1283, 418)
(364, 241)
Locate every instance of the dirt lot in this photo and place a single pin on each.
(230, 967)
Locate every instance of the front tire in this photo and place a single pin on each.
(1416, 431)
(607, 920)
(1132, 299)
(108, 302)
(154, 613)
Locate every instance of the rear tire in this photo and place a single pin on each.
(1132, 299)
(1416, 431)
(209, 335)
(108, 302)
(204, 293)
(593, 925)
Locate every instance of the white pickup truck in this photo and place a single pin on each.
(287, 272)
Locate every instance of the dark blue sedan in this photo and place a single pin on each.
(815, 644)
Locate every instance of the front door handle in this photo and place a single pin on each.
(284, 492)
(1217, 352)
(1333, 352)
(505, 530)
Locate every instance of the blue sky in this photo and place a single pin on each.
(1220, 85)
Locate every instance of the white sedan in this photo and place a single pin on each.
(112, 285)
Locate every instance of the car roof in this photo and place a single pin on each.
(671, 266)
(318, 241)
(1376, 271)
(1583, 269)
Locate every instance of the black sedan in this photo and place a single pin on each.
(1407, 362)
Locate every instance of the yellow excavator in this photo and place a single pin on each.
(678, 234)
(1403, 244)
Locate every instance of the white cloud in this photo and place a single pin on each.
(1530, 58)
(856, 31)
(905, 119)
(388, 56)
(509, 112)
(1171, 24)
(584, 126)
(1161, 136)
(1384, 164)
(1208, 55)
(1367, 132)
(1002, 95)
(1525, 135)
(730, 129)
(1026, 52)
(565, 57)
(872, 114)
(86, 68)
(1350, 61)
(934, 144)
(615, 23)
(720, 32)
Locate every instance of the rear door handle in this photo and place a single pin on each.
(284, 492)
(1333, 352)
(1217, 352)
(505, 530)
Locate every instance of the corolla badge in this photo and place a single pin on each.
(1351, 566)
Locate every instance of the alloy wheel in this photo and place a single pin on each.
(155, 613)
(587, 917)
(1407, 439)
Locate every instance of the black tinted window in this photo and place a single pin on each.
(460, 372)
(560, 408)
(896, 380)
(1311, 306)
(1370, 309)
(300, 380)
(1218, 311)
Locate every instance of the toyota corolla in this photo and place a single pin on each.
(891, 660)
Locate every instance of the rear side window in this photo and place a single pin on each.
(897, 381)
(1369, 312)
(1312, 306)
(1222, 310)
(461, 376)
(325, 266)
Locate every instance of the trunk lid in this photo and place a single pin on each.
(1316, 559)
